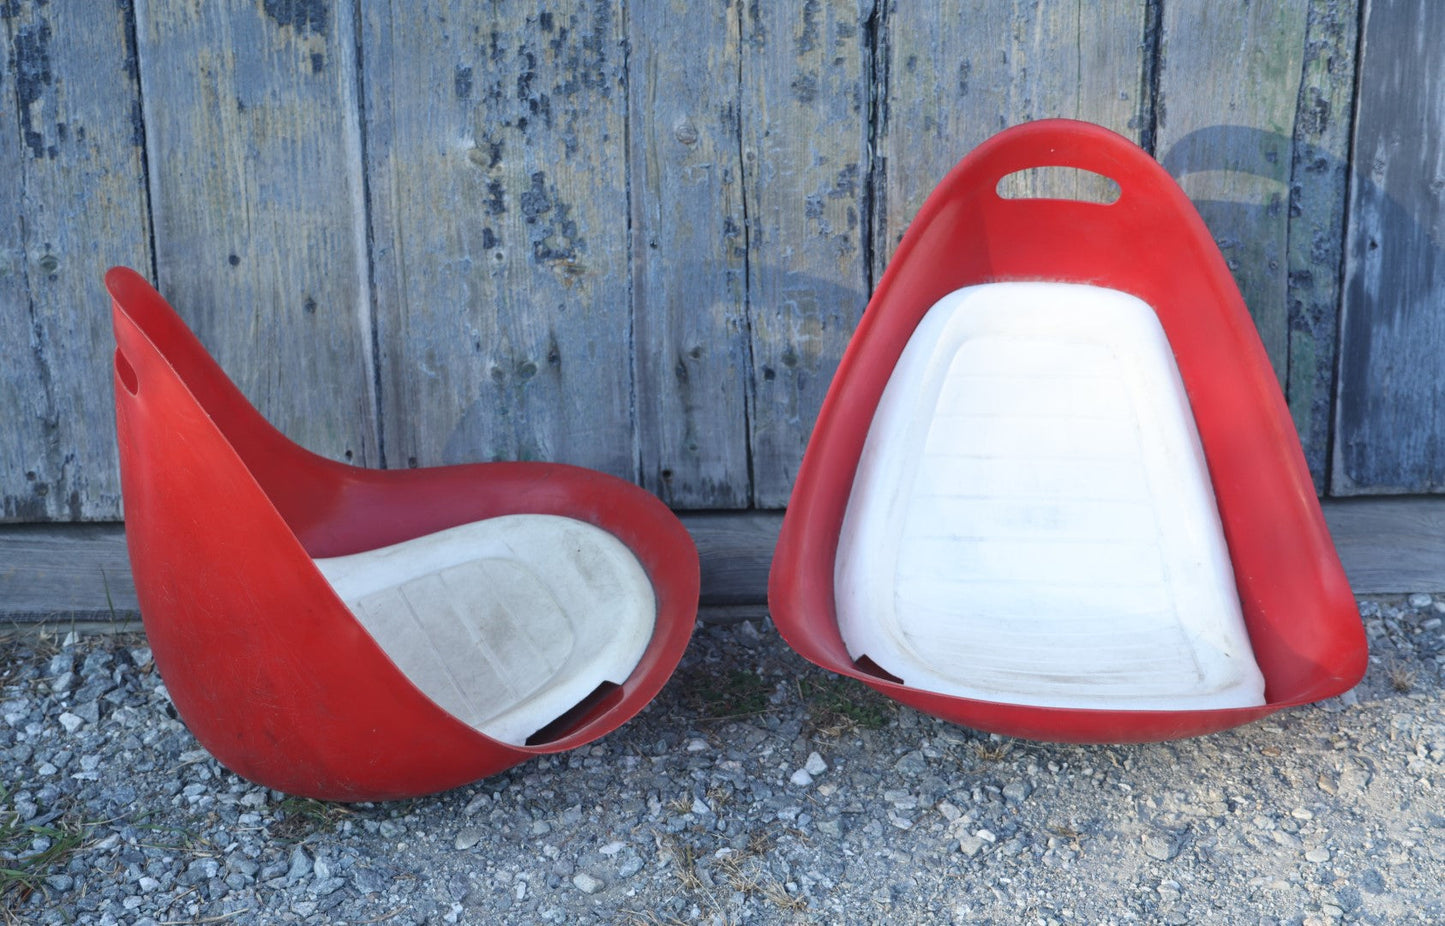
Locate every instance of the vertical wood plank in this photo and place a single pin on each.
(72, 202)
(1319, 179)
(806, 108)
(1391, 407)
(690, 253)
(496, 152)
(957, 78)
(254, 156)
(1229, 84)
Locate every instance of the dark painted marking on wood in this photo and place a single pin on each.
(305, 16)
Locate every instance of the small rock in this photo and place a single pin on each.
(1318, 855)
(970, 845)
(468, 837)
(1420, 600)
(147, 884)
(986, 835)
(71, 722)
(912, 763)
(62, 682)
(1160, 847)
(586, 883)
(612, 848)
(950, 812)
(326, 886)
(630, 866)
(1015, 792)
(801, 778)
(815, 765)
(300, 865)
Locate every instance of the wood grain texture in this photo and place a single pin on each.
(1390, 434)
(70, 572)
(254, 157)
(64, 572)
(806, 109)
(1319, 178)
(1390, 545)
(72, 203)
(1225, 132)
(954, 79)
(496, 151)
(690, 253)
(58, 573)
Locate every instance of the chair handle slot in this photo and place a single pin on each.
(126, 373)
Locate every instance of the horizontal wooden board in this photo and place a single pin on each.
(62, 573)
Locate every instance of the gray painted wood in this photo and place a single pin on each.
(72, 203)
(62, 573)
(1226, 134)
(256, 190)
(1390, 545)
(57, 573)
(588, 246)
(496, 152)
(806, 109)
(1262, 148)
(1391, 413)
(690, 253)
(1319, 178)
(955, 79)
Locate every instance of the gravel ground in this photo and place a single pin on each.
(756, 789)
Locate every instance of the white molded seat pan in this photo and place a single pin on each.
(505, 623)
(1032, 520)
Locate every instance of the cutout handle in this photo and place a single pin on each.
(126, 372)
(1057, 182)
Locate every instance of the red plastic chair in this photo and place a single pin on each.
(225, 521)
(1300, 615)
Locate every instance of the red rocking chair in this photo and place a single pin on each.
(354, 634)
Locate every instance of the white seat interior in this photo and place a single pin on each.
(505, 623)
(1032, 520)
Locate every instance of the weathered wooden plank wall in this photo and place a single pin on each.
(1261, 146)
(636, 236)
(72, 201)
(251, 126)
(496, 159)
(1391, 429)
(689, 252)
(807, 81)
